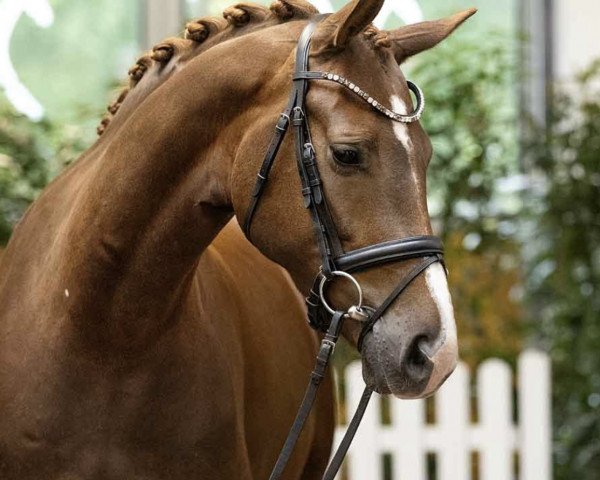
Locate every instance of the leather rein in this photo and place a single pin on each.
(334, 261)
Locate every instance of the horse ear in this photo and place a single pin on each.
(352, 19)
(412, 39)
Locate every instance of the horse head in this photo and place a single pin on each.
(371, 160)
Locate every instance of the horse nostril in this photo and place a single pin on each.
(417, 363)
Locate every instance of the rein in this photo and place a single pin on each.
(334, 261)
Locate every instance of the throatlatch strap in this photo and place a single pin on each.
(263, 175)
(316, 377)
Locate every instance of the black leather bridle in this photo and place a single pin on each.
(335, 262)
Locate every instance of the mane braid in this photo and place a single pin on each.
(200, 35)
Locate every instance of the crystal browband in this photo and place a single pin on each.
(399, 117)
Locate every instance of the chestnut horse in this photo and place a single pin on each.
(135, 345)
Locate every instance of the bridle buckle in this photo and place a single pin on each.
(283, 122)
(330, 343)
(298, 117)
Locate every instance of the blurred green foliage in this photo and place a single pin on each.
(563, 285)
(82, 52)
(471, 120)
(30, 155)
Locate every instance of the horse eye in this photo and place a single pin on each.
(346, 156)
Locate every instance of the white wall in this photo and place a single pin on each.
(576, 36)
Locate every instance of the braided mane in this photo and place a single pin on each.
(172, 54)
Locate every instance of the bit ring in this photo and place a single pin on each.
(339, 273)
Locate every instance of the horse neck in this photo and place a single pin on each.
(155, 70)
(154, 197)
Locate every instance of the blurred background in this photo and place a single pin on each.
(513, 112)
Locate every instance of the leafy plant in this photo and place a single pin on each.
(470, 118)
(564, 270)
(30, 155)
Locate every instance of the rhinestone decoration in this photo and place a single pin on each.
(398, 117)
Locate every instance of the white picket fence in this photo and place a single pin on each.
(453, 437)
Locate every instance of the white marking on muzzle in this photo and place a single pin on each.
(444, 351)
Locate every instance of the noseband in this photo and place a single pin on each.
(335, 262)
